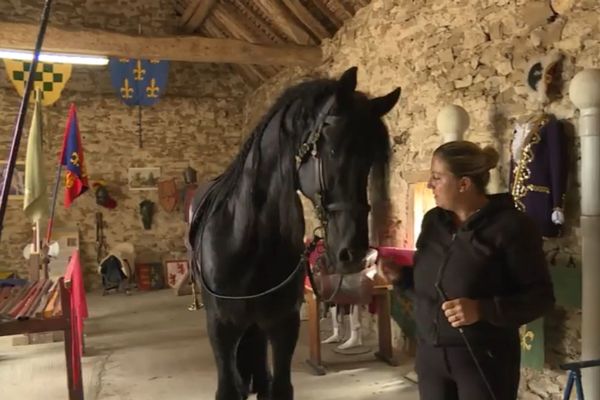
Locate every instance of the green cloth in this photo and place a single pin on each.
(35, 202)
(532, 344)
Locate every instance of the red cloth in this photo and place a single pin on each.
(79, 312)
(312, 258)
(397, 255)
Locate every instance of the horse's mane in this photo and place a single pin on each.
(306, 98)
(309, 94)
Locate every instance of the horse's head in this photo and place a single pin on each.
(346, 141)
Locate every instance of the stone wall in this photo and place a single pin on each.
(156, 17)
(197, 123)
(474, 54)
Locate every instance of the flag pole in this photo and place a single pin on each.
(14, 148)
(46, 244)
(53, 207)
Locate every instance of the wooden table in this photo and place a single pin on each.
(61, 323)
(381, 298)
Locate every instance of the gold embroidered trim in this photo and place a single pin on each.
(522, 173)
(538, 188)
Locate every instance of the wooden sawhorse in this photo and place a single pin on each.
(61, 323)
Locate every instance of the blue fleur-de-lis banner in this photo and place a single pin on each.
(139, 82)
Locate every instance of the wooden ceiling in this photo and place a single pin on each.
(266, 22)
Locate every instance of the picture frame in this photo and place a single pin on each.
(176, 271)
(143, 178)
(17, 185)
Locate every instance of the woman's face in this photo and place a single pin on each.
(446, 187)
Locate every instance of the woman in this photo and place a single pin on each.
(479, 273)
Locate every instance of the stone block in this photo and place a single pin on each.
(535, 13)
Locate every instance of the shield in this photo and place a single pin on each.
(49, 78)
(167, 194)
(188, 196)
(139, 82)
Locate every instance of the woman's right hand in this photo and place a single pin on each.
(388, 270)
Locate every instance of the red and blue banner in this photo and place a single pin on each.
(76, 181)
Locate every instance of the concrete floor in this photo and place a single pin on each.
(148, 346)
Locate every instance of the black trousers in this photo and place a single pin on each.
(449, 373)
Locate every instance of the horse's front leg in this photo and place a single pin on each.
(224, 339)
(283, 336)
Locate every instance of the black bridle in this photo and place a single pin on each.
(310, 148)
(320, 204)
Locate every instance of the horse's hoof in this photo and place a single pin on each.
(284, 392)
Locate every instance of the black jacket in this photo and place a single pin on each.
(496, 256)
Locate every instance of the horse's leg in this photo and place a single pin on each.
(283, 337)
(252, 361)
(224, 339)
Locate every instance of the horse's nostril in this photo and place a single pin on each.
(345, 255)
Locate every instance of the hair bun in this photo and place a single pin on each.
(491, 156)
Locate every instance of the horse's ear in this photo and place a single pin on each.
(382, 105)
(346, 84)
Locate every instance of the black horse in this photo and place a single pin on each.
(246, 232)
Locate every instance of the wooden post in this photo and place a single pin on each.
(75, 389)
(384, 326)
(314, 334)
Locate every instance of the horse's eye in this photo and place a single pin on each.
(332, 153)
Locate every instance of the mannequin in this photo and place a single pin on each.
(337, 311)
(355, 338)
(538, 177)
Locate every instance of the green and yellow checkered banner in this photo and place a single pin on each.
(49, 78)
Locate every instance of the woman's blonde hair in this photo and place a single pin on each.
(467, 159)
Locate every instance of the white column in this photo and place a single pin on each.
(584, 92)
(452, 122)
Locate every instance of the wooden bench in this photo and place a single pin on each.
(51, 320)
(381, 298)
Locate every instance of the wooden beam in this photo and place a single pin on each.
(248, 72)
(180, 6)
(284, 21)
(231, 28)
(339, 9)
(328, 13)
(175, 48)
(307, 18)
(195, 14)
(252, 13)
(238, 29)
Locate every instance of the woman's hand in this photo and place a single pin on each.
(461, 311)
(388, 270)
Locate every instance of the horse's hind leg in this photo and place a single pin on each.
(283, 336)
(224, 339)
(252, 361)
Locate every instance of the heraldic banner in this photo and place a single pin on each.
(532, 344)
(50, 79)
(139, 82)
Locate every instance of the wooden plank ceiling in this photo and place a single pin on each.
(269, 22)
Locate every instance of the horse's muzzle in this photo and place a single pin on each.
(352, 261)
(348, 287)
